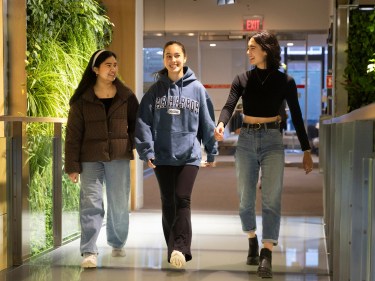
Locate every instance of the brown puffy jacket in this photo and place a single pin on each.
(92, 135)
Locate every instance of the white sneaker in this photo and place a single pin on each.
(118, 252)
(177, 259)
(89, 260)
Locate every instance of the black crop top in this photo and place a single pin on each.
(263, 92)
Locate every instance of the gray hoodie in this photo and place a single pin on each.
(173, 119)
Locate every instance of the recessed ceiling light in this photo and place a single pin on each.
(290, 44)
(212, 45)
(366, 8)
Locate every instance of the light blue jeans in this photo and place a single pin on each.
(116, 176)
(260, 149)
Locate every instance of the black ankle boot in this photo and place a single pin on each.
(265, 264)
(253, 255)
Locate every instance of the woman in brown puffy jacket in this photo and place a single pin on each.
(98, 149)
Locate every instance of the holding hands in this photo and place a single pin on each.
(219, 132)
(208, 164)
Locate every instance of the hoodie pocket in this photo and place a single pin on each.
(174, 145)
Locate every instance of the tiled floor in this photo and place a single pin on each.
(219, 251)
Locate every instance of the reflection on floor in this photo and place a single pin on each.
(219, 251)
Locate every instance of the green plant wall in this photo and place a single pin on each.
(361, 47)
(61, 37)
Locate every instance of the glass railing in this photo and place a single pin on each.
(44, 204)
(70, 208)
(347, 157)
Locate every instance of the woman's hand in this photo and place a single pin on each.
(74, 177)
(307, 162)
(150, 163)
(219, 132)
(208, 164)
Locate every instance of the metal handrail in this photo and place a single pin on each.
(27, 119)
(364, 113)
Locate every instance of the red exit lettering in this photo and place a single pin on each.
(252, 25)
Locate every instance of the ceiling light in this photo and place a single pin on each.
(212, 45)
(366, 8)
(234, 37)
(225, 2)
(290, 44)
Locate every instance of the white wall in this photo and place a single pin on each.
(138, 164)
(189, 15)
(219, 65)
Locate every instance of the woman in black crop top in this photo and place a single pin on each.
(260, 144)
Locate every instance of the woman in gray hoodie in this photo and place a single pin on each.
(175, 117)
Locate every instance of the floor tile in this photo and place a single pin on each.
(219, 249)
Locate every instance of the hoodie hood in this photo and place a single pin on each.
(175, 88)
(185, 80)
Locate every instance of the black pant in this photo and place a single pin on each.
(176, 185)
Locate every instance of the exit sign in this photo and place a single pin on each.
(253, 23)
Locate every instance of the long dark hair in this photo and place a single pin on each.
(270, 45)
(89, 76)
(164, 70)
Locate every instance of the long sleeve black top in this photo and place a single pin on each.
(262, 92)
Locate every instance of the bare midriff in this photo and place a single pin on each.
(255, 120)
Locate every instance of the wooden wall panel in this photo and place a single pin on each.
(3, 191)
(3, 241)
(127, 43)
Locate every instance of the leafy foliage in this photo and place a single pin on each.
(360, 84)
(61, 36)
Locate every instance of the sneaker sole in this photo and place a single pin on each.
(177, 257)
(88, 265)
